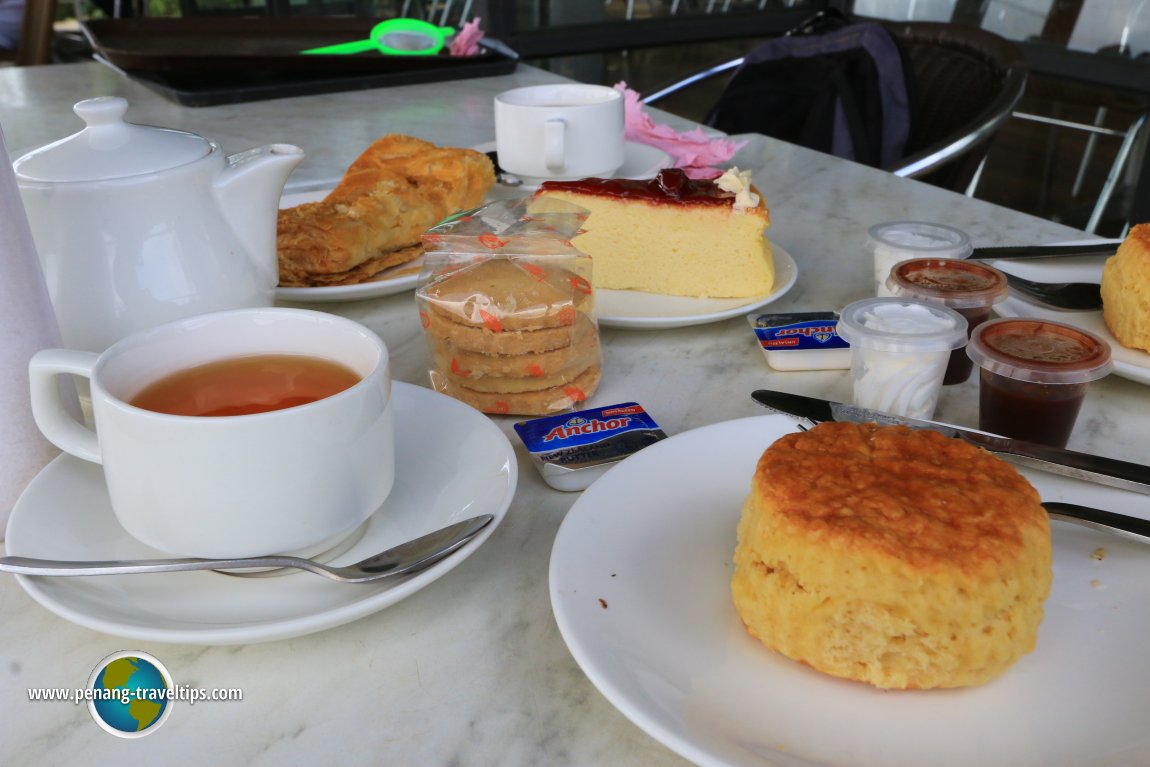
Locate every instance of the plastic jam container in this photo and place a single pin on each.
(970, 288)
(1034, 375)
(572, 450)
(801, 341)
(897, 241)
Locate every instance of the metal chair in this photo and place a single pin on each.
(36, 31)
(965, 83)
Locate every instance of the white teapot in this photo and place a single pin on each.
(136, 226)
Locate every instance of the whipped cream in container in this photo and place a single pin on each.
(572, 450)
(900, 348)
(801, 341)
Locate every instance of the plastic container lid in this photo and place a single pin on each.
(1039, 351)
(902, 325)
(957, 284)
(110, 148)
(920, 239)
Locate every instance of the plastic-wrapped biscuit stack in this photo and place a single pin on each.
(508, 309)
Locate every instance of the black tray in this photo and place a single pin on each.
(202, 61)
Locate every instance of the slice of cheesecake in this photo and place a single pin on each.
(672, 234)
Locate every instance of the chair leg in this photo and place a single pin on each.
(35, 45)
(973, 185)
(1087, 153)
(1115, 172)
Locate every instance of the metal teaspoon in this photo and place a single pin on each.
(410, 557)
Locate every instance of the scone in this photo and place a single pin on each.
(1126, 290)
(396, 189)
(672, 234)
(891, 556)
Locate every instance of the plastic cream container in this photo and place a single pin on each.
(897, 241)
(900, 348)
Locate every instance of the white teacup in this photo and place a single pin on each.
(560, 131)
(297, 480)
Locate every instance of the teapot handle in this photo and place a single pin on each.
(52, 417)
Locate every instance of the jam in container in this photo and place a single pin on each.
(1033, 377)
(970, 288)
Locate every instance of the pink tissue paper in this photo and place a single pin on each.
(698, 155)
(466, 42)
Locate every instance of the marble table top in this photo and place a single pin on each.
(471, 670)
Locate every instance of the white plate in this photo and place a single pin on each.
(652, 311)
(455, 463)
(1128, 363)
(640, 161)
(387, 283)
(640, 586)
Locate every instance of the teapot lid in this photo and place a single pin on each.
(110, 148)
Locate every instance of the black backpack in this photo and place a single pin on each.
(830, 85)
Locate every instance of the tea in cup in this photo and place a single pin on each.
(234, 434)
(560, 131)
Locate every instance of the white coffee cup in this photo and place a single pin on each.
(294, 480)
(560, 131)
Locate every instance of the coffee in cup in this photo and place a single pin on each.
(560, 131)
(233, 434)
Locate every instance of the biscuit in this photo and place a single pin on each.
(584, 347)
(523, 383)
(540, 402)
(1126, 290)
(484, 340)
(896, 557)
(504, 294)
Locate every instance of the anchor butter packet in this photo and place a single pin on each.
(801, 341)
(571, 450)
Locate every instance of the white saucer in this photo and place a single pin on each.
(652, 311)
(454, 464)
(640, 161)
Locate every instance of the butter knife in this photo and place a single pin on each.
(1019, 252)
(1053, 460)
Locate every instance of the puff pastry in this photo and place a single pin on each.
(397, 189)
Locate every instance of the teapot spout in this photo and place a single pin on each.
(248, 192)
